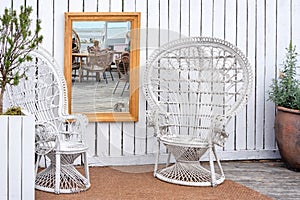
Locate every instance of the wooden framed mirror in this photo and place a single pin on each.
(98, 85)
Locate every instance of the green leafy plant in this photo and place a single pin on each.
(13, 111)
(16, 42)
(285, 91)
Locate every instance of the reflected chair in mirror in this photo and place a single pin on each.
(76, 45)
(123, 71)
(194, 87)
(98, 62)
(58, 135)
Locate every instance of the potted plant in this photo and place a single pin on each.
(285, 93)
(17, 132)
(16, 42)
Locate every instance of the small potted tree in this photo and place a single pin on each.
(16, 42)
(285, 93)
(17, 132)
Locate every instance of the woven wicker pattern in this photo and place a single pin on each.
(59, 136)
(193, 87)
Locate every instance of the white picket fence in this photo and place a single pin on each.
(17, 158)
(262, 29)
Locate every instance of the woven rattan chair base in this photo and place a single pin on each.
(71, 180)
(189, 174)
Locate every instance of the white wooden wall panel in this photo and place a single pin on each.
(270, 48)
(261, 28)
(17, 158)
(250, 53)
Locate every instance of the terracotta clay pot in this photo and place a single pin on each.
(287, 133)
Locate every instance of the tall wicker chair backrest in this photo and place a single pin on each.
(58, 135)
(193, 87)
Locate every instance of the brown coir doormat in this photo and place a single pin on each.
(137, 182)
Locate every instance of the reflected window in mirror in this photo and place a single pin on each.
(102, 65)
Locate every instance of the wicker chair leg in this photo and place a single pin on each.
(212, 167)
(218, 162)
(86, 167)
(57, 173)
(157, 158)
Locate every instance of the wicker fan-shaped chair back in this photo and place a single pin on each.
(58, 135)
(193, 87)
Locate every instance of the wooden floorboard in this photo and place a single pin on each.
(267, 177)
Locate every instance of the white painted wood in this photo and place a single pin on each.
(17, 153)
(250, 53)
(28, 172)
(241, 43)
(140, 130)
(195, 17)
(46, 16)
(270, 67)
(4, 158)
(15, 157)
(103, 5)
(90, 5)
(260, 71)
(219, 19)
(60, 7)
(102, 139)
(207, 18)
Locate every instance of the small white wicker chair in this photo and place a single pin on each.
(59, 136)
(193, 87)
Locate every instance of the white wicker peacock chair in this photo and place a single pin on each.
(194, 86)
(59, 136)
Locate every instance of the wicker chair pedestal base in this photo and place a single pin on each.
(71, 180)
(189, 174)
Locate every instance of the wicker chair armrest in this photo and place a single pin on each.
(73, 128)
(220, 136)
(46, 137)
(159, 121)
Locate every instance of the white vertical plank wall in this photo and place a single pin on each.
(262, 29)
(17, 158)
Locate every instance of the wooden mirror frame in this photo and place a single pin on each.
(134, 18)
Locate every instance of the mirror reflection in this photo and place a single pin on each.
(100, 66)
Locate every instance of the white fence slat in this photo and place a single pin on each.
(129, 6)
(241, 44)
(90, 138)
(76, 6)
(140, 132)
(115, 139)
(116, 6)
(4, 156)
(174, 19)
(128, 138)
(250, 53)
(207, 18)
(15, 157)
(28, 170)
(102, 140)
(270, 74)
(184, 18)
(59, 24)
(46, 16)
(103, 5)
(90, 5)
(219, 19)
(260, 70)
(195, 17)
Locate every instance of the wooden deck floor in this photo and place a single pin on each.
(267, 177)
